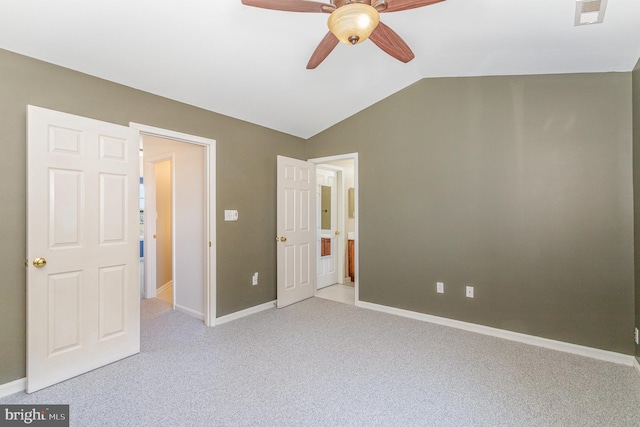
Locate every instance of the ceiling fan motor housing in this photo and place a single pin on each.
(379, 5)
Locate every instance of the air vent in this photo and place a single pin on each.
(590, 11)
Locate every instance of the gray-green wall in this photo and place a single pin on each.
(520, 186)
(636, 190)
(246, 178)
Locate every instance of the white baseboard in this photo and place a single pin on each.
(594, 353)
(246, 312)
(636, 365)
(13, 387)
(164, 287)
(189, 311)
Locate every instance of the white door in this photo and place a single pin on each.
(327, 264)
(296, 230)
(83, 305)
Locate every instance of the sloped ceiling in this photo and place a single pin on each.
(249, 63)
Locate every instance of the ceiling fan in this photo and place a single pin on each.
(351, 22)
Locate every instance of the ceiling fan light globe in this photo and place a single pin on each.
(355, 21)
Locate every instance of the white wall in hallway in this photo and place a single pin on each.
(189, 219)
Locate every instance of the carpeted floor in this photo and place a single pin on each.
(322, 363)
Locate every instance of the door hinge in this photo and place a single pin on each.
(26, 263)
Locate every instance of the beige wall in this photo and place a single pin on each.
(246, 178)
(520, 186)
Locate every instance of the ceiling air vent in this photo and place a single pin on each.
(590, 11)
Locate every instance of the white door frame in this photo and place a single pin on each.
(210, 207)
(150, 279)
(354, 157)
(340, 226)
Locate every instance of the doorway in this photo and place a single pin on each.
(186, 268)
(337, 177)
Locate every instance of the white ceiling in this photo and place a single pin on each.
(249, 63)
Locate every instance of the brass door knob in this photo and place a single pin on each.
(337, 233)
(39, 262)
(283, 239)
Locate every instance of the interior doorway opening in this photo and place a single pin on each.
(336, 236)
(189, 226)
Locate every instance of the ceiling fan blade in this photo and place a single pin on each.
(292, 5)
(328, 43)
(387, 39)
(397, 5)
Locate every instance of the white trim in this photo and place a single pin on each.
(595, 353)
(246, 312)
(165, 133)
(165, 286)
(17, 386)
(636, 365)
(188, 311)
(210, 243)
(329, 167)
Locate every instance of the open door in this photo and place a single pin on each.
(296, 227)
(327, 227)
(83, 302)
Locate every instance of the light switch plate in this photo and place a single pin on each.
(440, 287)
(230, 215)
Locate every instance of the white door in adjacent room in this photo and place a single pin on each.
(327, 227)
(83, 302)
(296, 228)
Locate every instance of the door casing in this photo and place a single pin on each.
(210, 214)
(354, 157)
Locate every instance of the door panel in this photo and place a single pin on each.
(65, 213)
(64, 295)
(113, 202)
(296, 234)
(83, 307)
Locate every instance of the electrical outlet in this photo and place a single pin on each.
(440, 287)
(469, 291)
(635, 336)
(254, 279)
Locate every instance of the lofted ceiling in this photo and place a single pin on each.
(249, 63)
